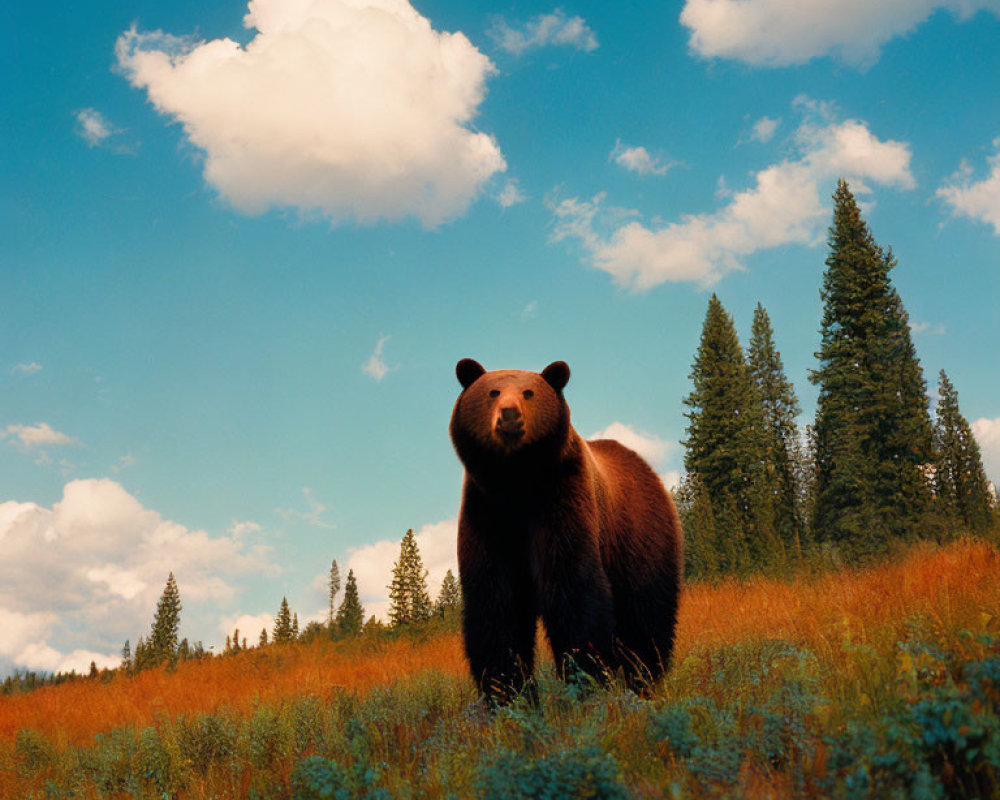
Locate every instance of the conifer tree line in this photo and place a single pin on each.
(410, 604)
(872, 471)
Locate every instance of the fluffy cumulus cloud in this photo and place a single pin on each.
(639, 160)
(650, 446)
(979, 200)
(987, 433)
(93, 126)
(544, 30)
(81, 577)
(777, 33)
(372, 564)
(783, 206)
(350, 109)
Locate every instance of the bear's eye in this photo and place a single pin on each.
(495, 393)
(528, 394)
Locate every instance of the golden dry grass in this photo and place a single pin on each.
(953, 587)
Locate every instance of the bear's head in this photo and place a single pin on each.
(509, 417)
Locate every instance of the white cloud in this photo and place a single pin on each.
(93, 126)
(545, 29)
(648, 445)
(38, 435)
(249, 626)
(987, 433)
(671, 479)
(314, 516)
(372, 564)
(241, 528)
(350, 109)
(375, 366)
(124, 462)
(777, 33)
(783, 207)
(530, 311)
(79, 578)
(764, 129)
(510, 195)
(26, 369)
(930, 328)
(638, 159)
(977, 200)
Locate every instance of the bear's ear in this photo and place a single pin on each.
(468, 371)
(556, 375)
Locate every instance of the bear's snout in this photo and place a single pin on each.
(510, 424)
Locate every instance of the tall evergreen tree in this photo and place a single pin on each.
(872, 431)
(724, 445)
(408, 597)
(282, 632)
(295, 626)
(450, 597)
(959, 479)
(126, 656)
(162, 643)
(334, 584)
(779, 407)
(262, 639)
(351, 614)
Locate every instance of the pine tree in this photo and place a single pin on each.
(959, 479)
(450, 597)
(779, 407)
(283, 624)
(162, 643)
(409, 600)
(295, 626)
(701, 550)
(126, 656)
(872, 431)
(351, 614)
(334, 584)
(724, 445)
(262, 640)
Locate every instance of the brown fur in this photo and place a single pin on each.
(580, 534)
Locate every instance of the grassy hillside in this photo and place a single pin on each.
(876, 683)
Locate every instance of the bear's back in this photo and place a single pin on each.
(639, 521)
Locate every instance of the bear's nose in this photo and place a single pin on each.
(509, 414)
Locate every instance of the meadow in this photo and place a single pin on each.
(881, 682)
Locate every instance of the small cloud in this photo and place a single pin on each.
(124, 462)
(648, 445)
(375, 366)
(26, 369)
(240, 528)
(930, 328)
(638, 160)
(671, 479)
(249, 626)
(311, 517)
(987, 433)
(554, 29)
(530, 311)
(510, 195)
(978, 200)
(38, 435)
(764, 129)
(93, 126)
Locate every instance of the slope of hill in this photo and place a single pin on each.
(868, 683)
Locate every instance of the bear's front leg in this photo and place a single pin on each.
(576, 603)
(499, 613)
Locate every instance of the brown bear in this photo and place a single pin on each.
(581, 534)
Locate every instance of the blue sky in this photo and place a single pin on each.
(241, 250)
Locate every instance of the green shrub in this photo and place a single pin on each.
(580, 772)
